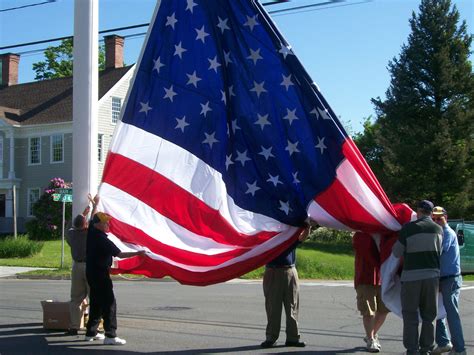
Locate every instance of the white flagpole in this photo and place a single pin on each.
(85, 102)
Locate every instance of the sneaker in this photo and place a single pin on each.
(114, 341)
(297, 344)
(454, 352)
(376, 337)
(98, 336)
(442, 349)
(373, 346)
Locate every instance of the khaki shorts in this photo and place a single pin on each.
(369, 300)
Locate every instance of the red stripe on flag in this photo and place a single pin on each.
(130, 234)
(341, 205)
(149, 267)
(174, 202)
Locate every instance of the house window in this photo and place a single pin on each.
(34, 151)
(57, 148)
(100, 147)
(116, 107)
(33, 196)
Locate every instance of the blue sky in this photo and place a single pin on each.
(345, 47)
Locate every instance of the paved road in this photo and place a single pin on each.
(168, 318)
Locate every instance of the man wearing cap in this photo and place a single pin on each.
(450, 283)
(419, 243)
(100, 251)
(76, 238)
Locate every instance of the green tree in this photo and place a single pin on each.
(58, 63)
(421, 145)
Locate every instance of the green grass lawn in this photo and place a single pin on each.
(49, 256)
(320, 261)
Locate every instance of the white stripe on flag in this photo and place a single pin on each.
(356, 186)
(320, 215)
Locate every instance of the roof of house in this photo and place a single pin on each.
(48, 101)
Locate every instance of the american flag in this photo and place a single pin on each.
(226, 147)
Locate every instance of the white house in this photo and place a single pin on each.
(36, 129)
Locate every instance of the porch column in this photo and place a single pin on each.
(11, 172)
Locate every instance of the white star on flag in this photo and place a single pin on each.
(321, 144)
(235, 127)
(262, 121)
(227, 59)
(157, 65)
(266, 152)
(285, 207)
(210, 139)
(258, 88)
(205, 108)
(286, 81)
(171, 20)
(145, 107)
(252, 188)
(193, 79)
(190, 5)
(214, 64)
(242, 157)
(295, 178)
(181, 123)
(178, 50)
(251, 22)
(285, 50)
(169, 93)
(290, 116)
(228, 161)
(223, 24)
(201, 34)
(292, 148)
(255, 55)
(275, 180)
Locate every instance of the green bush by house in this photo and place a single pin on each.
(20, 247)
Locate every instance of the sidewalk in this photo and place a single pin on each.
(7, 271)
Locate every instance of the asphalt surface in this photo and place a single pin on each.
(169, 318)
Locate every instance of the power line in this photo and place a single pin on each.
(292, 12)
(280, 11)
(68, 37)
(305, 6)
(40, 50)
(29, 5)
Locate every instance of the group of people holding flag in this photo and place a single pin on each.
(431, 266)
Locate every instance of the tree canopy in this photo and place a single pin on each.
(59, 61)
(421, 143)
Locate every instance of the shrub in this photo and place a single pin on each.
(20, 247)
(48, 214)
(331, 236)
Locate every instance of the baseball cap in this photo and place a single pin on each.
(101, 217)
(438, 210)
(425, 205)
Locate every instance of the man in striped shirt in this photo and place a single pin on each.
(419, 243)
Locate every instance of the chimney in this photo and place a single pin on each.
(9, 69)
(113, 51)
